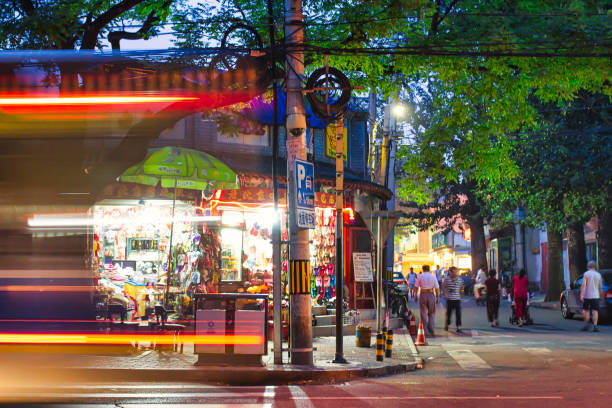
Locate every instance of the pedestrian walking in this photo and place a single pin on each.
(590, 295)
(520, 295)
(411, 283)
(429, 295)
(493, 296)
(439, 274)
(452, 288)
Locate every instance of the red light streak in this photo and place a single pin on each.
(46, 288)
(124, 339)
(90, 100)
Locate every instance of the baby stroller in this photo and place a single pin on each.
(514, 319)
(480, 294)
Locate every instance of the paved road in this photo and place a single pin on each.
(549, 364)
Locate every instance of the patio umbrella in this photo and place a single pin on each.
(178, 167)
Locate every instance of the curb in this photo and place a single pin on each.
(233, 376)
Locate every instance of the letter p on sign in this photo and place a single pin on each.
(301, 175)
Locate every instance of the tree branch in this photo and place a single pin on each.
(28, 7)
(115, 37)
(437, 19)
(90, 39)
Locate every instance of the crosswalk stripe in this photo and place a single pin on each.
(468, 360)
(537, 350)
(300, 398)
(269, 395)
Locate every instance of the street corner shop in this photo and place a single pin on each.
(222, 245)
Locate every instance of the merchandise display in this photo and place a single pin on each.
(130, 253)
(323, 254)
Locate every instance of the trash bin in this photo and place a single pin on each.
(363, 336)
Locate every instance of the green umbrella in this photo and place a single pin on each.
(182, 168)
(178, 167)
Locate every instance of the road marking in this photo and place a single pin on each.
(437, 397)
(298, 395)
(468, 360)
(498, 344)
(268, 396)
(537, 350)
(197, 405)
(302, 401)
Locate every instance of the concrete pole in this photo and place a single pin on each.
(276, 233)
(379, 273)
(300, 313)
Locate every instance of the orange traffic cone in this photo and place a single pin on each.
(420, 341)
(413, 328)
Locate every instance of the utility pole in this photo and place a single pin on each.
(339, 359)
(276, 233)
(299, 252)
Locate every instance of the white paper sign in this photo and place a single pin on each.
(362, 266)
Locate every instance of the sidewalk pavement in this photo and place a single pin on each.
(538, 302)
(168, 366)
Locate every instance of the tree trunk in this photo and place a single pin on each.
(477, 244)
(604, 240)
(576, 250)
(556, 282)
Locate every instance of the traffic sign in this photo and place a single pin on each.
(305, 195)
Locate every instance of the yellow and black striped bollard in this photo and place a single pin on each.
(380, 347)
(389, 345)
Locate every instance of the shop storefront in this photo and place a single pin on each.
(246, 240)
(131, 247)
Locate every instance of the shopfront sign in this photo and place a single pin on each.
(305, 194)
(265, 195)
(136, 191)
(362, 266)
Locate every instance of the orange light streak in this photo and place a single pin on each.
(119, 339)
(91, 100)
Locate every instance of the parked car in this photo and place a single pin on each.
(400, 280)
(570, 298)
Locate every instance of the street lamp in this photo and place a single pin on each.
(399, 110)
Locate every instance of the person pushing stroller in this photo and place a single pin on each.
(520, 296)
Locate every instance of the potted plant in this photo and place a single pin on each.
(363, 335)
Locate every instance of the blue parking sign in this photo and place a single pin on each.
(305, 195)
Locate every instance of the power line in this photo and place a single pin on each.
(432, 51)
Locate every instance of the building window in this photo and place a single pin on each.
(238, 130)
(591, 252)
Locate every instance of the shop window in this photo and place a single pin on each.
(231, 250)
(246, 241)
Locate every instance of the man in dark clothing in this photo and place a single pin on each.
(493, 292)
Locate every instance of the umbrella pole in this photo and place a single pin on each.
(170, 247)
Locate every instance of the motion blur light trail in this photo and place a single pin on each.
(91, 100)
(124, 339)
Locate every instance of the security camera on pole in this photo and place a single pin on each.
(298, 198)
